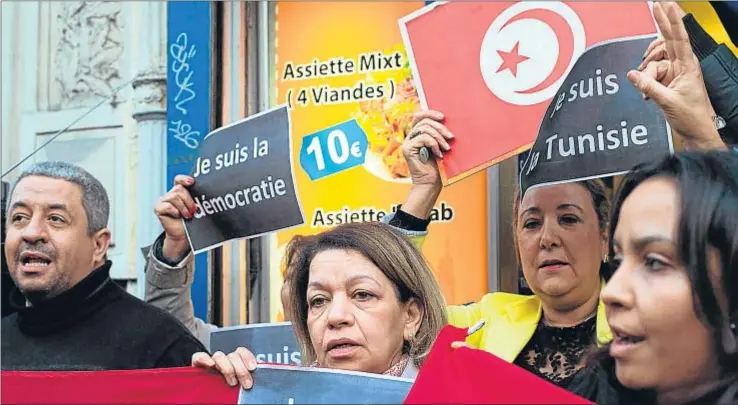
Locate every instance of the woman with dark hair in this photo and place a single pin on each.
(672, 302)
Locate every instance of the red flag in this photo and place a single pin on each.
(186, 385)
(470, 376)
(493, 67)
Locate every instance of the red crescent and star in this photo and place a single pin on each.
(511, 59)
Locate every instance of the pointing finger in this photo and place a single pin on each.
(665, 27)
(680, 39)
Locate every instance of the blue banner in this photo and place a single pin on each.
(273, 343)
(189, 104)
(310, 385)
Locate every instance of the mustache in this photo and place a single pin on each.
(36, 248)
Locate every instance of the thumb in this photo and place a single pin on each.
(648, 86)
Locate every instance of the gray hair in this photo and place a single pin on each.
(94, 197)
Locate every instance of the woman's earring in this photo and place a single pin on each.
(411, 345)
(604, 259)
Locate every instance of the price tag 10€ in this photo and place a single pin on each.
(333, 150)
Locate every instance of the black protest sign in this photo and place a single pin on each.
(598, 124)
(244, 184)
(269, 342)
(309, 385)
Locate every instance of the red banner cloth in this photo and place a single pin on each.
(470, 376)
(186, 385)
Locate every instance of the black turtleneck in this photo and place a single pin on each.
(96, 325)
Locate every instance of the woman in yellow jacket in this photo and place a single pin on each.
(561, 240)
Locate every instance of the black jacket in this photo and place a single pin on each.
(720, 72)
(598, 383)
(96, 325)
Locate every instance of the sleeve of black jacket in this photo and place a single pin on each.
(179, 353)
(720, 72)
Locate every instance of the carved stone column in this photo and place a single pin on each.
(149, 111)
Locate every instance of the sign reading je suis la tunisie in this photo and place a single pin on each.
(598, 124)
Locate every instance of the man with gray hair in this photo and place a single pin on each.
(70, 314)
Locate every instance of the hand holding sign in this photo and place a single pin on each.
(236, 367)
(171, 208)
(430, 134)
(683, 99)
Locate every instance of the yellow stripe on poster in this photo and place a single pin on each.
(709, 20)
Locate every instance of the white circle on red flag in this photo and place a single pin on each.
(516, 56)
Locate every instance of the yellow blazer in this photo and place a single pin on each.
(511, 320)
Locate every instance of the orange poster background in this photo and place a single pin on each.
(456, 250)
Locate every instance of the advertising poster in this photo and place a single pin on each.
(499, 64)
(342, 69)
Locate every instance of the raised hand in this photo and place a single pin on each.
(677, 87)
(171, 208)
(427, 132)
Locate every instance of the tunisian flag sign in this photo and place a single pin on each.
(492, 67)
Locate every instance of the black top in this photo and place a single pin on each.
(598, 383)
(96, 325)
(557, 354)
